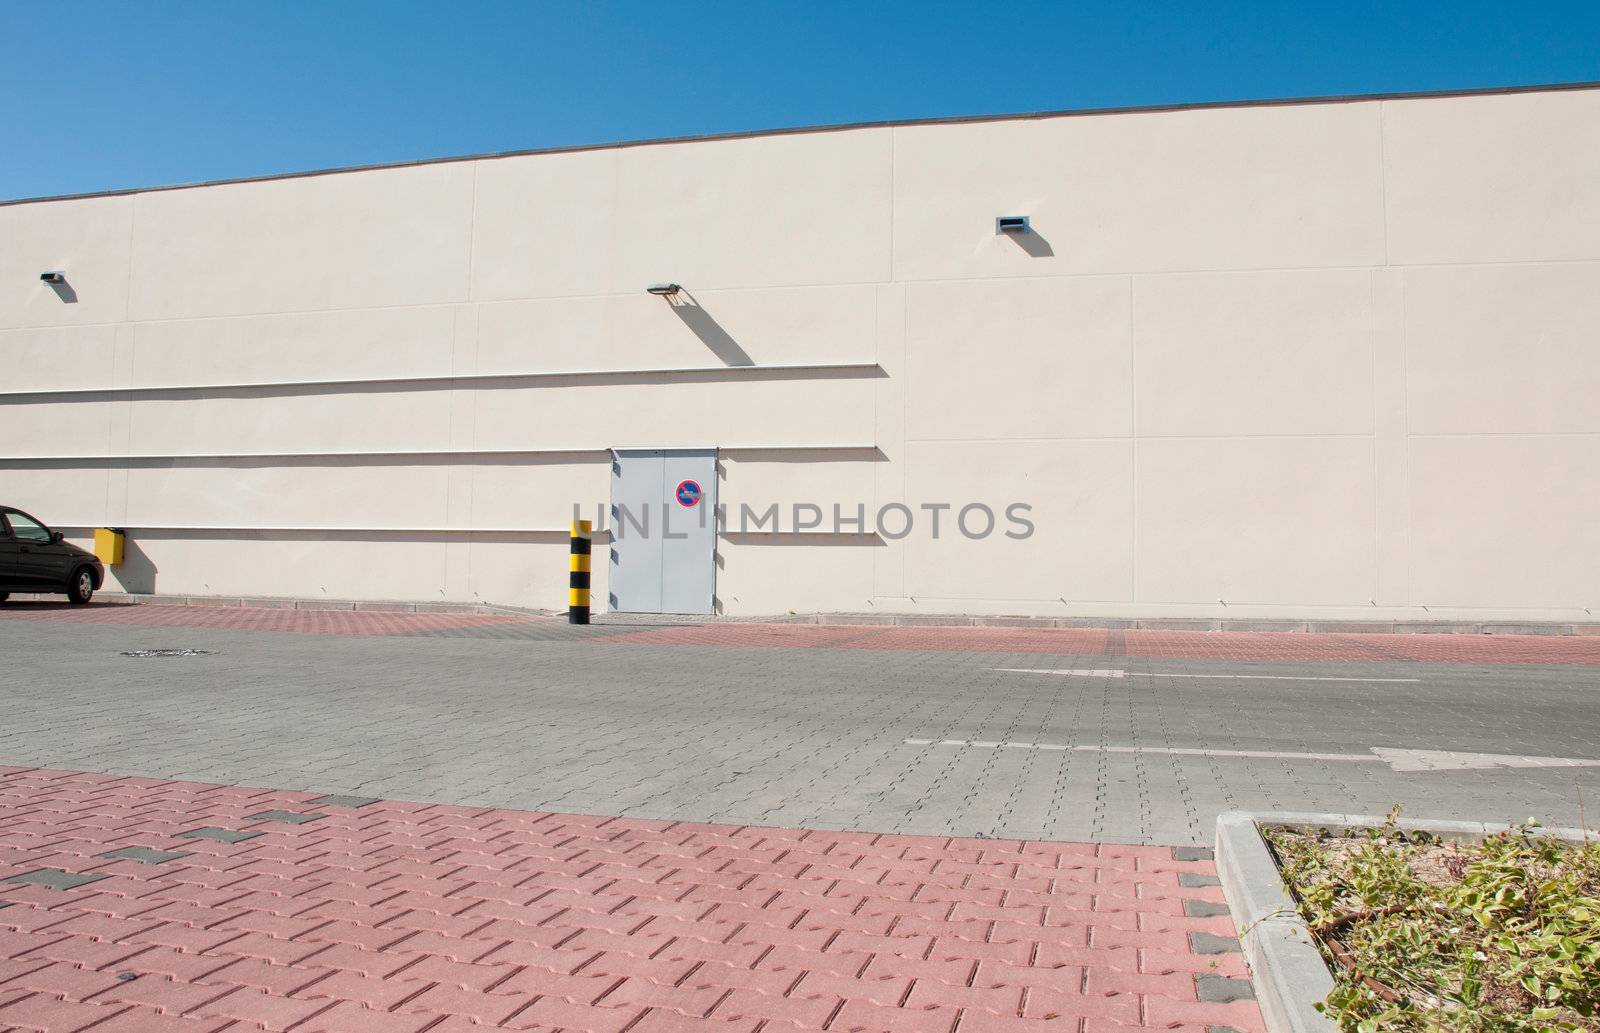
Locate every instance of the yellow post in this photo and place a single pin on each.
(578, 573)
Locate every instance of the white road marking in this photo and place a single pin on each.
(1169, 674)
(1079, 674)
(1446, 760)
(1397, 759)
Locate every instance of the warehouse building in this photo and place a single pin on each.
(1320, 359)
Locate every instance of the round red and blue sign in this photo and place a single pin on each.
(688, 494)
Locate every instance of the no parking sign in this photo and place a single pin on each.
(688, 494)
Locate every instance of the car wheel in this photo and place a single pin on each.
(81, 590)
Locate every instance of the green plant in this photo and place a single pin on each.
(1502, 936)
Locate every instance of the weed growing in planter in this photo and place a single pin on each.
(1501, 936)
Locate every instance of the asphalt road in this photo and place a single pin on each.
(1127, 749)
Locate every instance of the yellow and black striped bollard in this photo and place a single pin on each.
(578, 575)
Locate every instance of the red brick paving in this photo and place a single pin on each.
(404, 917)
(249, 618)
(1278, 646)
(1281, 646)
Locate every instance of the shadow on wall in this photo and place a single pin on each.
(1034, 243)
(809, 457)
(65, 292)
(137, 571)
(710, 332)
(806, 538)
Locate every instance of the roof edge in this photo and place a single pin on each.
(1136, 109)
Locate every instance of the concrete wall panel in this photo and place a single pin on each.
(353, 240)
(314, 420)
(58, 357)
(1503, 349)
(1187, 190)
(545, 226)
(282, 564)
(87, 240)
(805, 573)
(61, 497)
(756, 212)
(668, 411)
(1255, 353)
(1025, 359)
(299, 494)
(1493, 179)
(1506, 522)
(846, 479)
(527, 571)
(1236, 521)
(53, 426)
(1082, 509)
(812, 325)
(538, 491)
(342, 345)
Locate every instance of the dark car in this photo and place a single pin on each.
(34, 558)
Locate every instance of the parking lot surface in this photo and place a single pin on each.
(1135, 737)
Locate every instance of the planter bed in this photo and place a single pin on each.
(1415, 925)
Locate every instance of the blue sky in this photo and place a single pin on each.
(101, 95)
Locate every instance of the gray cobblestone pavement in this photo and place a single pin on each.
(549, 717)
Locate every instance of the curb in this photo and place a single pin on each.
(1285, 964)
(1287, 969)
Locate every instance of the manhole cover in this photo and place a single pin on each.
(166, 652)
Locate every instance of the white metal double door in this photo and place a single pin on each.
(663, 530)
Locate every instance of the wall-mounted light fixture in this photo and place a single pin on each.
(53, 277)
(1004, 224)
(664, 290)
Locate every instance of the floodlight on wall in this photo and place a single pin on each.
(664, 290)
(1004, 224)
(53, 277)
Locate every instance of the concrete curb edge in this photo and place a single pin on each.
(1285, 965)
(1288, 972)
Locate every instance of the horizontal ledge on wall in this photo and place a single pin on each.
(225, 529)
(463, 381)
(464, 454)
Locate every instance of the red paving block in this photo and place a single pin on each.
(268, 1011)
(1164, 1011)
(1054, 1004)
(863, 1017)
(590, 924)
(146, 1020)
(665, 1021)
(375, 993)
(1088, 642)
(806, 1012)
(484, 1008)
(349, 1017)
(63, 980)
(49, 1014)
(282, 980)
(166, 996)
(549, 1013)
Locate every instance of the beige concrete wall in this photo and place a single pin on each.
(1323, 360)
